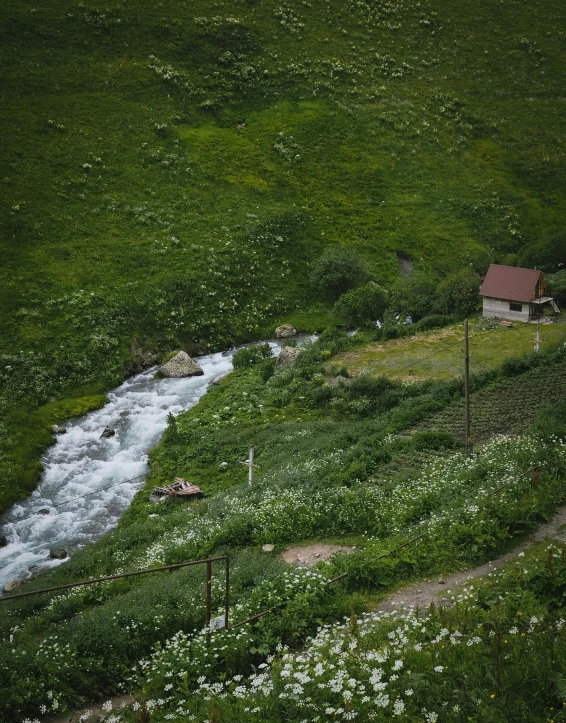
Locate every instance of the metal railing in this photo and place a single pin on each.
(208, 583)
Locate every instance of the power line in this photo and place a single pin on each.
(428, 356)
(444, 348)
(80, 497)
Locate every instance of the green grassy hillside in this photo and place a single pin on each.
(133, 206)
(339, 460)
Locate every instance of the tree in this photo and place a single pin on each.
(557, 286)
(362, 306)
(546, 254)
(337, 271)
(413, 297)
(458, 293)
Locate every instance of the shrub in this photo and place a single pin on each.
(337, 271)
(557, 286)
(362, 306)
(551, 421)
(458, 293)
(434, 440)
(433, 321)
(250, 355)
(414, 297)
(547, 254)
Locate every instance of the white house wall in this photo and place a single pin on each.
(500, 308)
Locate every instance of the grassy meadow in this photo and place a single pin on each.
(438, 354)
(171, 170)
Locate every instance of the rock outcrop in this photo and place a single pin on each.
(284, 331)
(216, 381)
(142, 358)
(181, 366)
(58, 554)
(288, 356)
(12, 585)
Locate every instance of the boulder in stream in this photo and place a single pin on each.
(13, 584)
(56, 429)
(58, 554)
(3, 541)
(107, 433)
(181, 365)
(284, 331)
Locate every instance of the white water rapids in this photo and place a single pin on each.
(88, 482)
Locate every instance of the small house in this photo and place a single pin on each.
(516, 294)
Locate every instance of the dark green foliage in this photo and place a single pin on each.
(458, 293)
(362, 306)
(414, 297)
(547, 253)
(551, 421)
(267, 369)
(510, 401)
(251, 355)
(435, 440)
(557, 286)
(422, 296)
(433, 321)
(338, 270)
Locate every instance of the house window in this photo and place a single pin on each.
(513, 306)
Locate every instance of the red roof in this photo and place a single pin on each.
(511, 283)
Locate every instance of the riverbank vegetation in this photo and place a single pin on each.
(340, 459)
(173, 171)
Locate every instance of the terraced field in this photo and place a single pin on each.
(507, 406)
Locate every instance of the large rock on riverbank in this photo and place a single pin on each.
(181, 366)
(12, 585)
(284, 331)
(288, 355)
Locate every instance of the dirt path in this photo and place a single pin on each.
(421, 594)
(309, 555)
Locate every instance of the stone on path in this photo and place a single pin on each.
(268, 548)
(180, 366)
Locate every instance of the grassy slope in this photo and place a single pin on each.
(438, 354)
(132, 205)
(315, 454)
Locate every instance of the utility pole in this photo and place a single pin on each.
(250, 464)
(537, 345)
(469, 446)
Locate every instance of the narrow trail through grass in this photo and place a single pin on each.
(423, 593)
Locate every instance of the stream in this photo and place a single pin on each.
(89, 481)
